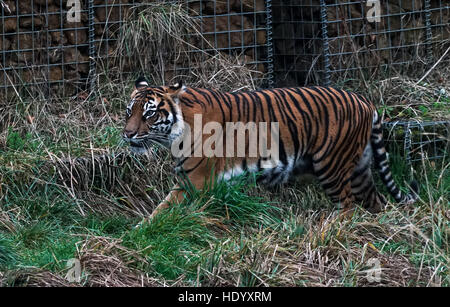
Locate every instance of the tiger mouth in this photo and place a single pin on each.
(144, 143)
(138, 145)
(136, 142)
(139, 148)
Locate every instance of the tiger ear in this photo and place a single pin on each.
(140, 82)
(176, 89)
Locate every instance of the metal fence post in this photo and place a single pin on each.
(269, 44)
(407, 144)
(92, 62)
(325, 45)
(428, 34)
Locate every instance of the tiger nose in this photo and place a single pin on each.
(129, 133)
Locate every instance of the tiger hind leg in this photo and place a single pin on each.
(337, 186)
(363, 186)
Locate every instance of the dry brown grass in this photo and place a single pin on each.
(331, 253)
(128, 178)
(33, 278)
(106, 263)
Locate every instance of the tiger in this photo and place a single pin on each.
(330, 133)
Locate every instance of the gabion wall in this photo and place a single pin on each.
(318, 41)
(43, 49)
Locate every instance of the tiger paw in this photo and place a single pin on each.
(144, 221)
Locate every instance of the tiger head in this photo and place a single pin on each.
(153, 115)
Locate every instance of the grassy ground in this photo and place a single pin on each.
(54, 208)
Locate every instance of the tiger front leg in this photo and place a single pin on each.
(196, 179)
(175, 196)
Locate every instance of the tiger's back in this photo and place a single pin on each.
(312, 126)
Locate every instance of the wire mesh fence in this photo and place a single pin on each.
(314, 41)
(318, 41)
(419, 140)
(53, 46)
(40, 49)
(235, 30)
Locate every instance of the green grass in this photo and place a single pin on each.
(8, 257)
(227, 234)
(173, 244)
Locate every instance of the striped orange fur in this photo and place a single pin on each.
(330, 133)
